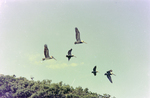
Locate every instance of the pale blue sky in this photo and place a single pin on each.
(116, 32)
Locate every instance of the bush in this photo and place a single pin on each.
(23, 88)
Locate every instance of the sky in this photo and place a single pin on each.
(116, 32)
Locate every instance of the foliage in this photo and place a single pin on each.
(12, 87)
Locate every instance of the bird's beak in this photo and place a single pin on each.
(54, 59)
(114, 74)
(85, 42)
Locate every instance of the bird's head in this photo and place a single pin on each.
(83, 42)
(110, 70)
(73, 55)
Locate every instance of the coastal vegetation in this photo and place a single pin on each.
(13, 87)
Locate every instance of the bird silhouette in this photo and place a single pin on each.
(94, 71)
(46, 53)
(78, 40)
(108, 74)
(69, 55)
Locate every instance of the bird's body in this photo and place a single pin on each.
(78, 40)
(69, 55)
(46, 53)
(94, 71)
(108, 74)
(48, 58)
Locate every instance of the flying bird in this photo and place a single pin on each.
(69, 55)
(79, 41)
(108, 73)
(94, 71)
(46, 53)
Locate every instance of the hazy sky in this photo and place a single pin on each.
(117, 35)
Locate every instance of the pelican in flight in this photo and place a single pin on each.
(94, 71)
(79, 41)
(69, 55)
(46, 53)
(108, 75)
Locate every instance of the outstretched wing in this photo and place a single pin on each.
(77, 35)
(94, 69)
(109, 77)
(46, 52)
(69, 52)
(94, 73)
(69, 58)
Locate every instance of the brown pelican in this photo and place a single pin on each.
(79, 41)
(69, 55)
(94, 71)
(108, 75)
(46, 53)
